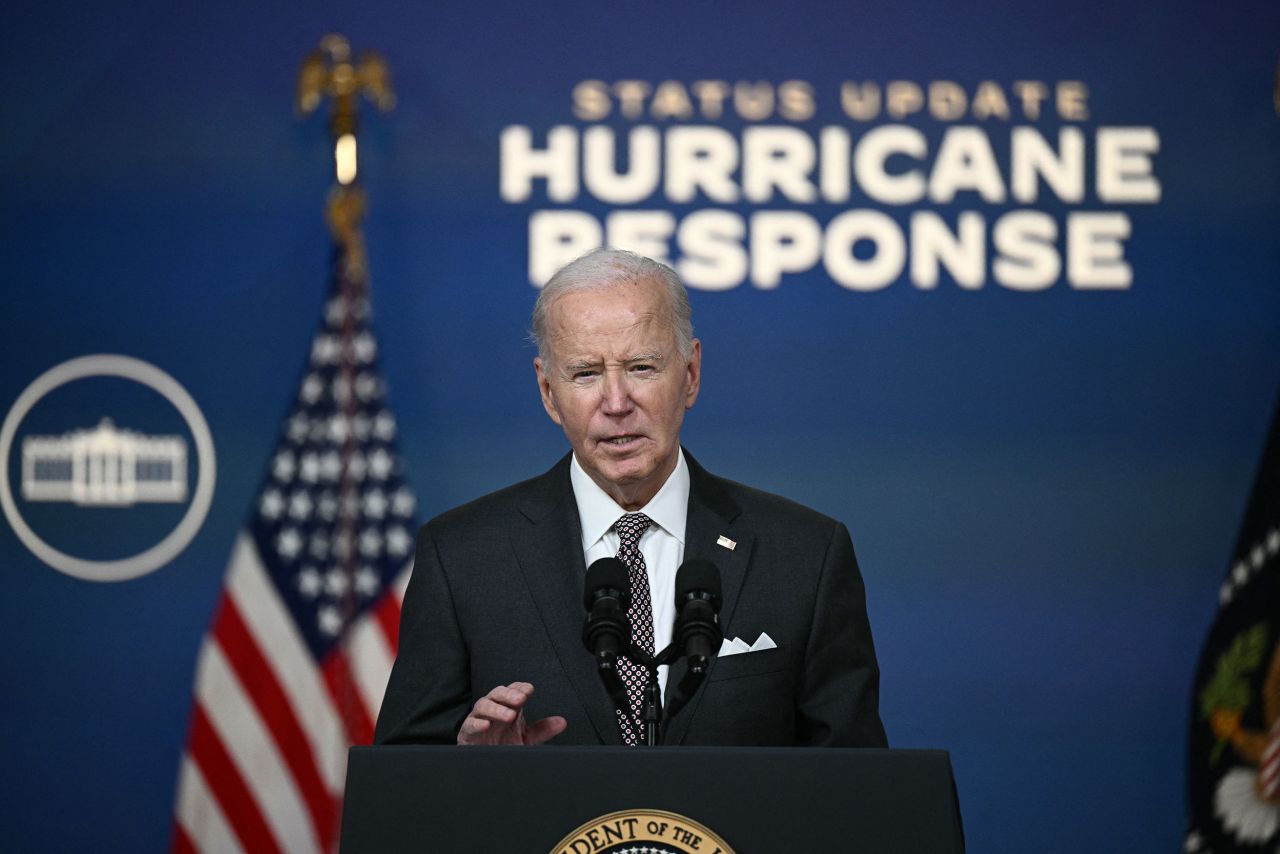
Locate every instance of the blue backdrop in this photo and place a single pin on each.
(1043, 485)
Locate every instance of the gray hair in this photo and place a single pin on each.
(605, 268)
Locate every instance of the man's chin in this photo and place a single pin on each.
(630, 481)
(627, 475)
(626, 471)
(622, 459)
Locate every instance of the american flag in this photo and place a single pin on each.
(292, 670)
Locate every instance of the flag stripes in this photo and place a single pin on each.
(199, 815)
(267, 620)
(282, 780)
(270, 702)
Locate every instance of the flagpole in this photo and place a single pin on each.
(330, 72)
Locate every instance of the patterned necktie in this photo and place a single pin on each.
(635, 676)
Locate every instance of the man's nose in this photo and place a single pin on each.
(616, 393)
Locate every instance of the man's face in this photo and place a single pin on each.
(614, 380)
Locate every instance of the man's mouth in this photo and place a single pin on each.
(621, 441)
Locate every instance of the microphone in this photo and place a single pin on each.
(697, 628)
(606, 595)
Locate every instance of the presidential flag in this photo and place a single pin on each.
(1233, 754)
(293, 668)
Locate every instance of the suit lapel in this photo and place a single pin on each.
(712, 514)
(548, 548)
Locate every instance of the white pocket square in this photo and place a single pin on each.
(738, 645)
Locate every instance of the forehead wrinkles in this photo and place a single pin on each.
(594, 335)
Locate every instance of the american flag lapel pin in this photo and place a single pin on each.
(726, 542)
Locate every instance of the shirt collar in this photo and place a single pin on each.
(598, 512)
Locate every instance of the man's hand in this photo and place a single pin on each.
(498, 718)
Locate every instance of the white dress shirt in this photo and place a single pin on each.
(662, 545)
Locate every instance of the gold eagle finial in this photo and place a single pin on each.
(329, 72)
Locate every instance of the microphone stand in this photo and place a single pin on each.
(651, 712)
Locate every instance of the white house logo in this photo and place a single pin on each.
(106, 467)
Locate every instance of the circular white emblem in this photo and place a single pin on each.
(124, 367)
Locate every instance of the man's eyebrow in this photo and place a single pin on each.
(582, 364)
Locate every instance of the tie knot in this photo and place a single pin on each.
(631, 527)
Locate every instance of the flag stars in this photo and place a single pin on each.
(312, 388)
(324, 349)
(331, 466)
(283, 467)
(367, 581)
(398, 541)
(334, 513)
(339, 429)
(384, 426)
(380, 464)
(329, 620)
(299, 427)
(300, 505)
(1273, 542)
(1257, 557)
(309, 582)
(375, 503)
(339, 309)
(271, 505)
(364, 348)
(309, 470)
(402, 503)
(335, 311)
(289, 543)
(370, 542)
(336, 583)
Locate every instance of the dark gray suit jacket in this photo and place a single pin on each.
(496, 597)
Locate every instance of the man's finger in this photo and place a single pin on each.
(471, 729)
(514, 695)
(494, 711)
(545, 730)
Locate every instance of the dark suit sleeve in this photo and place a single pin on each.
(429, 693)
(839, 695)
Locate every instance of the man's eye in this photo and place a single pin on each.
(580, 376)
(642, 369)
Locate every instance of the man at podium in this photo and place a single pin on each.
(490, 640)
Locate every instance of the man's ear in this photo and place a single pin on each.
(693, 377)
(544, 388)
